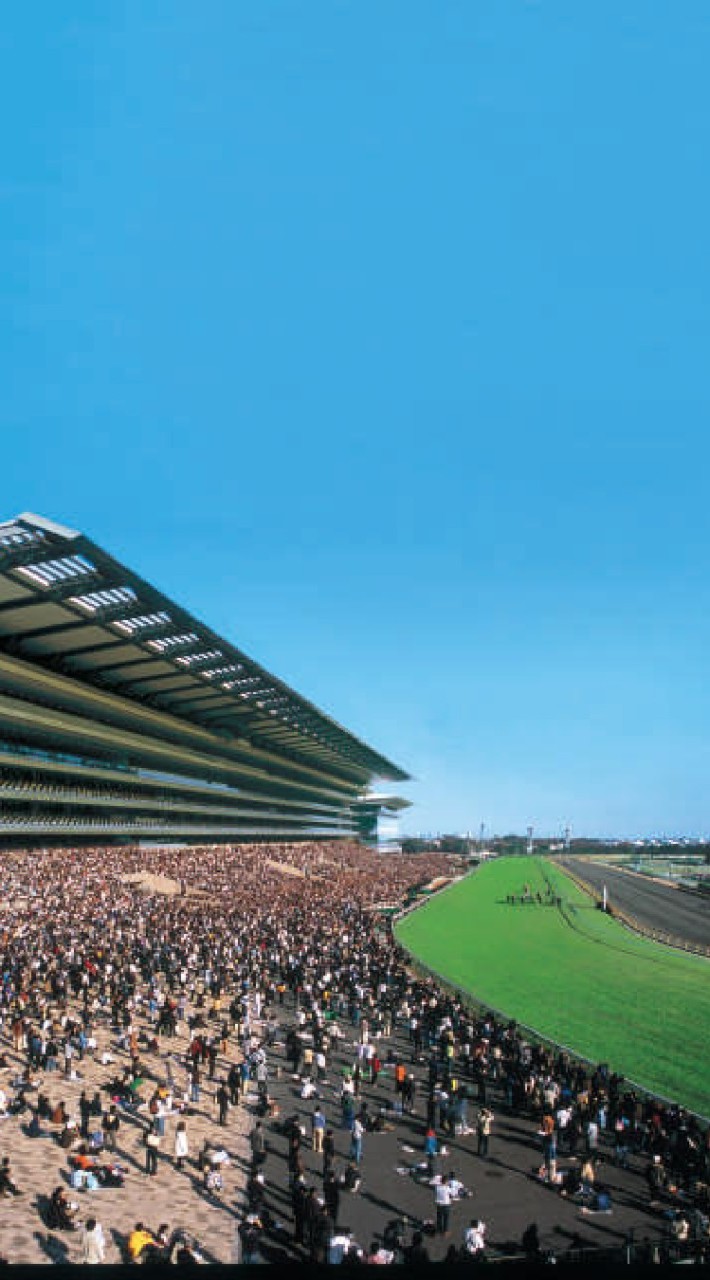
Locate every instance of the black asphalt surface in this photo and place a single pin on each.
(504, 1192)
(678, 912)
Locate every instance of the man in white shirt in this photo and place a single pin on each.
(442, 1200)
(341, 1244)
(356, 1137)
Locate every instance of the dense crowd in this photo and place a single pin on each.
(223, 949)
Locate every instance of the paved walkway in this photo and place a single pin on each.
(504, 1192)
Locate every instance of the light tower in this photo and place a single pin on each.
(530, 840)
(567, 835)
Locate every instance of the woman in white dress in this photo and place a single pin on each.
(182, 1146)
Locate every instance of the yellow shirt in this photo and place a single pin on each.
(137, 1241)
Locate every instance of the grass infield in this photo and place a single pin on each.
(575, 975)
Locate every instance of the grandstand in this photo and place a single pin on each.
(123, 719)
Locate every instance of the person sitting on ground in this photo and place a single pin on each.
(69, 1134)
(62, 1211)
(34, 1129)
(213, 1181)
(107, 1175)
(680, 1227)
(59, 1114)
(474, 1237)
(351, 1178)
(185, 1251)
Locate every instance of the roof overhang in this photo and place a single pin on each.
(67, 605)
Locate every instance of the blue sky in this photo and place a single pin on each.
(377, 335)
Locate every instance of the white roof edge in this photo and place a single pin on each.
(50, 526)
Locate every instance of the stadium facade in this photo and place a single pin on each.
(123, 719)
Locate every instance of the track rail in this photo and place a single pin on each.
(636, 926)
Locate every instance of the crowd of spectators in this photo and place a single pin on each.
(253, 941)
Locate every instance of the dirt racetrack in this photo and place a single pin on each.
(677, 912)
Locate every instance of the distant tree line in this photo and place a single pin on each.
(582, 845)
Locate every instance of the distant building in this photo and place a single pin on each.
(378, 819)
(124, 719)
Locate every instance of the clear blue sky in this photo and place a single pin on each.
(377, 334)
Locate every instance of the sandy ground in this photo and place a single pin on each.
(285, 868)
(153, 883)
(176, 1198)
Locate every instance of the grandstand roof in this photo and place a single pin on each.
(67, 605)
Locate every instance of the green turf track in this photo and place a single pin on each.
(576, 976)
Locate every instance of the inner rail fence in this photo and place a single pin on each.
(632, 1252)
(636, 926)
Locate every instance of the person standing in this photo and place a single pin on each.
(298, 1204)
(234, 1080)
(159, 1116)
(222, 1099)
(93, 1242)
(328, 1151)
(152, 1142)
(110, 1125)
(182, 1146)
(331, 1195)
(85, 1113)
(442, 1200)
(317, 1130)
(257, 1142)
(483, 1130)
(356, 1137)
